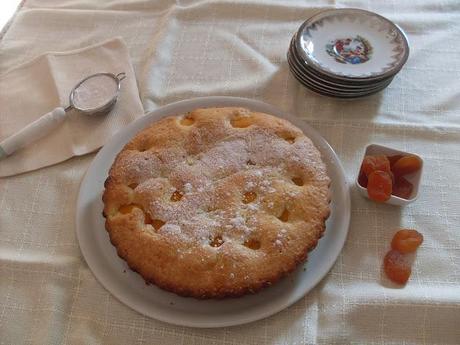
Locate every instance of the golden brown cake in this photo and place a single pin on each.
(218, 202)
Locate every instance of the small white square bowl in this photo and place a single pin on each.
(414, 178)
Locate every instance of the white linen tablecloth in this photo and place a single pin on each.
(185, 49)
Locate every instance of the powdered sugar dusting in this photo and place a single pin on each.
(188, 188)
(242, 112)
(213, 178)
(249, 185)
(253, 207)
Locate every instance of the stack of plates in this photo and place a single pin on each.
(347, 53)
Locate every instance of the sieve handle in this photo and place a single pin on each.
(32, 132)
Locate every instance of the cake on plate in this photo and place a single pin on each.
(217, 202)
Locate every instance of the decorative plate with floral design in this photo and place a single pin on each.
(352, 44)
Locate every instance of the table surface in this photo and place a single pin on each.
(238, 48)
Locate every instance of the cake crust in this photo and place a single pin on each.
(218, 202)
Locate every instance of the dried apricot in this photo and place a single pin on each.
(176, 196)
(373, 163)
(406, 241)
(406, 165)
(379, 186)
(249, 197)
(402, 188)
(392, 176)
(362, 179)
(397, 267)
(393, 159)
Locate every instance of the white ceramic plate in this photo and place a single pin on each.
(113, 273)
(311, 83)
(325, 91)
(353, 43)
(309, 72)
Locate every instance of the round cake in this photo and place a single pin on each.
(218, 202)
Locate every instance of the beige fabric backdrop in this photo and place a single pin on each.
(199, 48)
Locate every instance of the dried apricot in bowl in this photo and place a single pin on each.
(405, 189)
(373, 163)
(362, 179)
(406, 165)
(402, 188)
(393, 159)
(379, 186)
(406, 241)
(397, 267)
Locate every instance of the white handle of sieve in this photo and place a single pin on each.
(32, 132)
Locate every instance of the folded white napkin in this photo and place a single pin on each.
(38, 86)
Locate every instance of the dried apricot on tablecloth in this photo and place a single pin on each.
(406, 241)
(397, 267)
(373, 163)
(379, 186)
